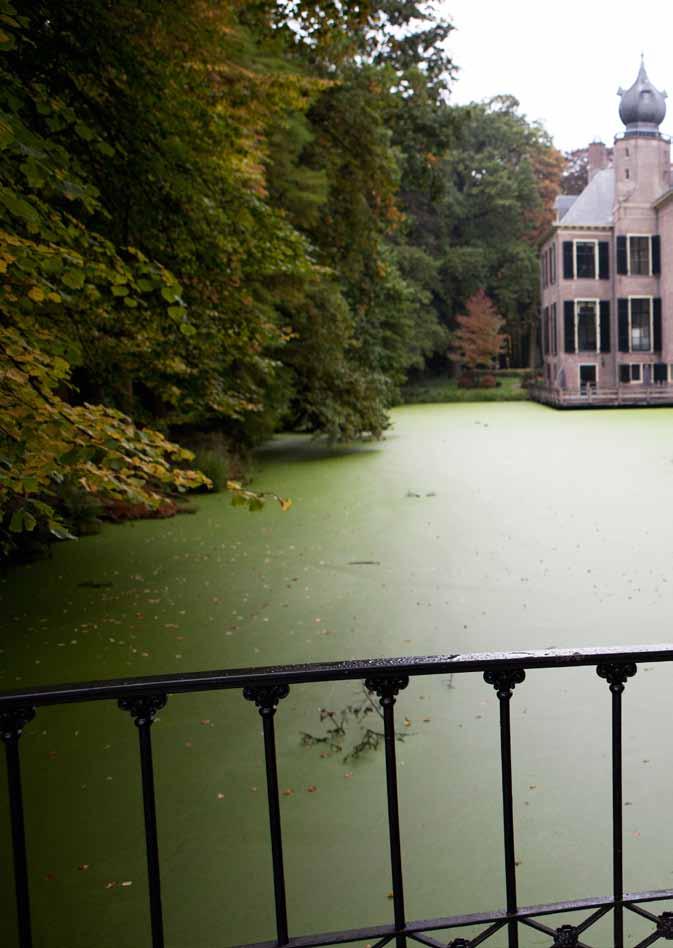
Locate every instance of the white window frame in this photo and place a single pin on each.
(580, 240)
(670, 372)
(582, 365)
(628, 255)
(597, 310)
(554, 329)
(651, 300)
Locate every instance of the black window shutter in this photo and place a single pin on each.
(660, 372)
(603, 260)
(622, 265)
(657, 324)
(605, 325)
(624, 372)
(569, 324)
(568, 269)
(623, 319)
(656, 254)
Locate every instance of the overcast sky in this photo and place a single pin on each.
(564, 61)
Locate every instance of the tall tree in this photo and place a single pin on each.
(478, 340)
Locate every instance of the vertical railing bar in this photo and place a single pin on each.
(266, 697)
(12, 724)
(387, 689)
(616, 676)
(617, 827)
(504, 682)
(143, 709)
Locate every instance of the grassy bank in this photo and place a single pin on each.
(440, 389)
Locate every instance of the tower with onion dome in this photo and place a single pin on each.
(642, 154)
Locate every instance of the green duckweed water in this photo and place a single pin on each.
(470, 528)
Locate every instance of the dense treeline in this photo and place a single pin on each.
(236, 216)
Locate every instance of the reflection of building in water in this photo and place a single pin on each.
(607, 269)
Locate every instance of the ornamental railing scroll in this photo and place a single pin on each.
(266, 688)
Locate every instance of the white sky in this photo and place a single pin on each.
(562, 60)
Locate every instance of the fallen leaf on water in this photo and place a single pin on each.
(110, 885)
(289, 792)
(50, 876)
(311, 789)
(220, 796)
(204, 721)
(407, 722)
(127, 883)
(349, 773)
(254, 789)
(188, 743)
(391, 895)
(83, 867)
(426, 720)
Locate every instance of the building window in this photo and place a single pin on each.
(585, 259)
(552, 264)
(639, 256)
(640, 325)
(627, 174)
(554, 331)
(586, 326)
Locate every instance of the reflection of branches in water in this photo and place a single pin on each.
(336, 726)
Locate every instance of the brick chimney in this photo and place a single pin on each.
(598, 158)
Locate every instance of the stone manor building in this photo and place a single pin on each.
(607, 270)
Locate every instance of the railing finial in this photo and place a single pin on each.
(266, 697)
(12, 722)
(565, 937)
(616, 674)
(504, 680)
(143, 708)
(387, 687)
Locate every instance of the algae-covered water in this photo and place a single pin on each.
(470, 528)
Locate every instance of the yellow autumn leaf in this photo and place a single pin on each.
(54, 297)
(35, 294)
(285, 503)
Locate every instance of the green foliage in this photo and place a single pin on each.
(439, 390)
(231, 217)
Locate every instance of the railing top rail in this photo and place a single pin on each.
(331, 671)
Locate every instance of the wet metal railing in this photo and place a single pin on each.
(266, 687)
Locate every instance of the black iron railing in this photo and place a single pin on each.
(266, 687)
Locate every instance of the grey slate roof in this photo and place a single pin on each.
(595, 203)
(563, 203)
